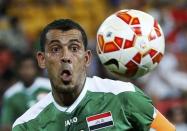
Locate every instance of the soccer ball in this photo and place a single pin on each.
(130, 43)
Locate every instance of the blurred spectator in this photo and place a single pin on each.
(6, 58)
(4, 6)
(180, 44)
(7, 76)
(134, 4)
(161, 11)
(177, 117)
(14, 36)
(167, 81)
(23, 94)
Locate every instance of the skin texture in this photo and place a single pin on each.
(66, 60)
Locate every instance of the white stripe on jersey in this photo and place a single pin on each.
(34, 111)
(97, 84)
(16, 88)
(155, 113)
(39, 82)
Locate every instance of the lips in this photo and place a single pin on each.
(66, 76)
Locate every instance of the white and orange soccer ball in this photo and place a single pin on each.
(130, 43)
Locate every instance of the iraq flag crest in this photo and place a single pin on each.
(99, 121)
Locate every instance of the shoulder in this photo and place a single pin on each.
(131, 97)
(34, 111)
(42, 81)
(14, 89)
(97, 84)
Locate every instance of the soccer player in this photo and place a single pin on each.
(23, 94)
(79, 103)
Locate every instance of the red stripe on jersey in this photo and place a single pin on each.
(99, 116)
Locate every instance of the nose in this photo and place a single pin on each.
(66, 57)
(66, 60)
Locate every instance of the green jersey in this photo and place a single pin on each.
(104, 105)
(17, 99)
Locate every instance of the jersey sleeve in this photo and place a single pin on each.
(160, 123)
(19, 128)
(7, 112)
(138, 109)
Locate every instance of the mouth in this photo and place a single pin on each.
(66, 76)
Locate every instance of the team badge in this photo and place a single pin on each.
(99, 121)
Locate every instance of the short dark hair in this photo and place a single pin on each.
(64, 25)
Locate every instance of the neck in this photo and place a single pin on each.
(67, 98)
(64, 99)
(27, 84)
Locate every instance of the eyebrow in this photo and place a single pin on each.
(52, 41)
(75, 40)
(58, 41)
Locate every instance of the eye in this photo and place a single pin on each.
(74, 48)
(55, 49)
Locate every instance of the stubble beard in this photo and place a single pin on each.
(63, 88)
(70, 87)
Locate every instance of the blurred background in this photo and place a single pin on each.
(21, 22)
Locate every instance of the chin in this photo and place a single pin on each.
(64, 88)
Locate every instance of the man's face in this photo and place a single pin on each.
(65, 59)
(27, 71)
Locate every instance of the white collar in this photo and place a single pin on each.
(69, 109)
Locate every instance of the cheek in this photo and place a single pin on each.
(52, 65)
(51, 59)
(80, 64)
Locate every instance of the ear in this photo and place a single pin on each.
(88, 57)
(41, 59)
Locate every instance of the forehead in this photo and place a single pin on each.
(63, 35)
